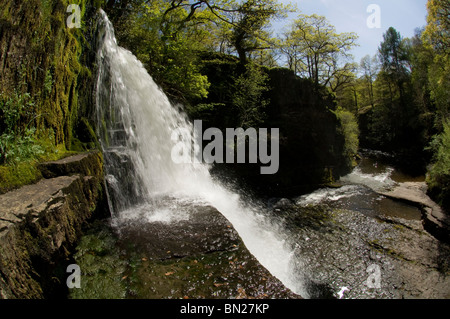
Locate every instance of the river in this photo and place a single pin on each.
(352, 242)
(360, 189)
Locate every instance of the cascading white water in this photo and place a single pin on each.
(135, 123)
(381, 181)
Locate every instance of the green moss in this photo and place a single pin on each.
(92, 136)
(102, 269)
(15, 176)
(77, 146)
(22, 173)
(58, 51)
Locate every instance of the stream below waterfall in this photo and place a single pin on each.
(353, 242)
(360, 189)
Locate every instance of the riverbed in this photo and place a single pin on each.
(352, 242)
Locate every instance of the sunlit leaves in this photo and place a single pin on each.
(316, 51)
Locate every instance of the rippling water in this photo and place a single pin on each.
(360, 191)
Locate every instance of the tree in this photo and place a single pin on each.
(436, 40)
(369, 67)
(316, 51)
(437, 31)
(249, 22)
(167, 36)
(394, 57)
(340, 76)
(249, 100)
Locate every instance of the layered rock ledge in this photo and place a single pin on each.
(40, 223)
(435, 220)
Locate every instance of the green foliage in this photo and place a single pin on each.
(438, 178)
(316, 51)
(434, 79)
(169, 37)
(439, 82)
(394, 108)
(15, 112)
(248, 22)
(441, 145)
(394, 55)
(17, 141)
(350, 130)
(21, 144)
(14, 148)
(248, 98)
(437, 32)
(166, 39)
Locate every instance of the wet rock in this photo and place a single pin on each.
(205, 231)
(282, 203)
(435, 220)
(199, 256)
(86, 164)
(338, 248)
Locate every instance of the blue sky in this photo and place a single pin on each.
(351, 16)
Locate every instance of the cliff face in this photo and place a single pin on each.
(311, 138)
(51, 63)
(312, 144)
(47, 77)
(47, 74)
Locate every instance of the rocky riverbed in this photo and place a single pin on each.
(346, 254)
(338, 253)
(193, 251)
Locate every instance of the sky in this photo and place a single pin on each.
(351, 16)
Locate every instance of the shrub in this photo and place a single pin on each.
(438, 178)
(350, 130)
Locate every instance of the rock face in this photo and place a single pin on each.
(39, 223)
(56, 65)
(86, 164)
(311, 144)
(200, 256)
(311, 141)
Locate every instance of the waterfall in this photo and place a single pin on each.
(135, 121)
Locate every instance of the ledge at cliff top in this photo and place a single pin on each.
(435, 220)
(40, 223)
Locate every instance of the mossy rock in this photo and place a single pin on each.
(12, 177)
(39, 225)
(87, 164)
